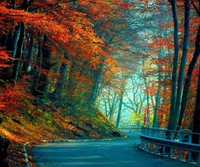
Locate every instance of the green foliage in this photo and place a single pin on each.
(26, 101)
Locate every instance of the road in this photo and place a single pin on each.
(116, 153)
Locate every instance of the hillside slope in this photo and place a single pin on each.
(34, 124)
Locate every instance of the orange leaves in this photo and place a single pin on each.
(10, 135)
(127, 5)
(4, 58)
(12, 97)
(73, 31)
(160, 43)
(189, 111)
(3, 55)
(8, 99)
(69, 26)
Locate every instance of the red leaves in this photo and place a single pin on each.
(4, 58)
(189, 111)
(160, 43)
(11, 98)
(127, 5)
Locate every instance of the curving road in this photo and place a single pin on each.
(116, 153)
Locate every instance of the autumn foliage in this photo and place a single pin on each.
(35, 36)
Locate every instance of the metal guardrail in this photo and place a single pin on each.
(130, 128)
(167, 142)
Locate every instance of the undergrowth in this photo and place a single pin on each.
(33, 124)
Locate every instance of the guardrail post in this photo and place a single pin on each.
(142, 143)
(180, 136)
(171, 135)
(146, 146)
(198, 158)
(190, 138)
(182, 143)
(151, 147)
(157, 147)
(179, 154)
(163, 150)
(164, 136)
(171, 152)
(189, 158)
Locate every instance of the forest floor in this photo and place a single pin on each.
(34, 124)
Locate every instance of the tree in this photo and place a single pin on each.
(189, 72)
(175, 63)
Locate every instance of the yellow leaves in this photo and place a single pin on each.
(94, 61)
(9, 135)
(112, 65)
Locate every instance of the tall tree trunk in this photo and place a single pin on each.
(61, 79)
(15, 40)
(189, 77)
(175, 64)
(157, 100)
(120, 106)
(196, 118)
(9, 42)
(13, 47)
(17, 62)
(27, 64)
(147, 112)
(196, 115)
(18, 41)
(94, 94)
(6, 40)
(3, 40)
(112, 106)
(71, 84)
(155, 118)
(35, 70)
(176, 113)
(43, 79)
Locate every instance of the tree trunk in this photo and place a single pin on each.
(3, 40)
(27, 64)
(61, 80)
(157, 100)
(155, 118)
(13, 47)
(120, 107)
(147, 112)
(175, 114)
(94, 94)
(196, 119)
(4, 143)
(189, 77)
(35, 70)
(175, 64)
(19, 48)
(16, 37)
(18, 41)
(196, 116)
(43, 79)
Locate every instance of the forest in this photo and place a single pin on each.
(135, 61)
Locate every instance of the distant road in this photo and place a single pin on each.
(116, 153)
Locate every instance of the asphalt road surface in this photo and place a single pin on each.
(115, 153)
